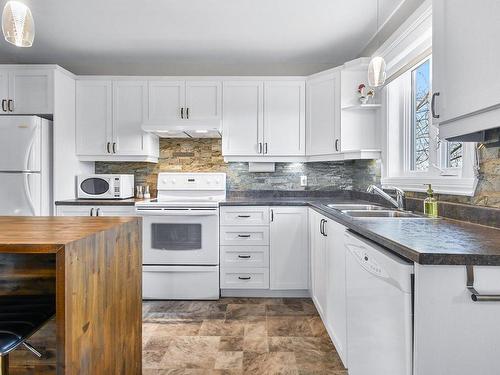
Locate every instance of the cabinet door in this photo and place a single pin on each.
(289, 253)
(32, 91)
(117, 210)
(336, 318)
(284, 118)
(166, 100)
(129, 113)
(318, 263)
(323, 115)
(465, 63)
(76, 210)
(242, 118)
(203, 100)
(4, 90)
(93, 117)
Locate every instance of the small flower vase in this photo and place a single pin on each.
(363, 99)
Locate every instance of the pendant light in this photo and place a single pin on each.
(376, 68)
(18, 25)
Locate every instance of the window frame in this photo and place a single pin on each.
(445, 180)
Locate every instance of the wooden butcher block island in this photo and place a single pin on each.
(93, 266)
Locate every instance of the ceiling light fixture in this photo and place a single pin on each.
(376, 68)
(18, 26)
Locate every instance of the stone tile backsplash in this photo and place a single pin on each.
(205, 155)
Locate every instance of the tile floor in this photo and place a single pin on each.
(237, 336)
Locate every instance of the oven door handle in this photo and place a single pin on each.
(186, 212)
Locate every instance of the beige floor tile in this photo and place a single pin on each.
(229, 360)
(231, 344)
(256, 328)
(255, 344)
(289, 326)
(220, 327)
(245, 311)
(270, 363)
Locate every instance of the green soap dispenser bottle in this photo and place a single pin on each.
(430, 203)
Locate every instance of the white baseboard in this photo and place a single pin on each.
(265, 293)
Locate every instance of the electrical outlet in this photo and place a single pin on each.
(303, 180)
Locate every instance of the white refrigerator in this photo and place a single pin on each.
(25, 166)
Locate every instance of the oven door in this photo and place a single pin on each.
(180, 236)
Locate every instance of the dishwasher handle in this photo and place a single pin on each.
(475, 295)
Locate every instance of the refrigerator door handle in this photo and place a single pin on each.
(27, 189)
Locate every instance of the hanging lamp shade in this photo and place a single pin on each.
(18, 26)
(376, 72)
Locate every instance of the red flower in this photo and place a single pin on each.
(361, 87)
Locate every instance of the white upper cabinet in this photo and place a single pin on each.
(203, 100)
(465, 53)
(27, 91)
(284, 118)
(323, 115)
(184, 100)
(289, 248)
(129, 113)
(167, 100)
(263, 119)
(109, 116)
(4, 91)
(242, 129)
(94, 117)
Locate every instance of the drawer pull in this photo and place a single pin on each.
(244, 256)
(243, 235)
(244, 216)
(244, 278)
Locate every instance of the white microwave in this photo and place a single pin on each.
(105, 186)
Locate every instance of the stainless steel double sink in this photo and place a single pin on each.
(370, 211)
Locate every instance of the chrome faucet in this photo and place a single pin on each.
(399, 202)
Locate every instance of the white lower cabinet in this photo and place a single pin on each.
(328, 277)
(98, 210)
(264, 248)
(289, 255)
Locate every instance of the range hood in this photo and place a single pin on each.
(185, 129)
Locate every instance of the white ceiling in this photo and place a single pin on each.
(198, 36)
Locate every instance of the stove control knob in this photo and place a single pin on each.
(172, 181)
(208, 182)
(164, 181)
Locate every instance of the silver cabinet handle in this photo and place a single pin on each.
(187, 113)
(433, 105)
(321, 226)
(244, 278)
(244, 256)
(9, 107)
(92, 211)
(475, 295)
(107, 147)
(244, 216)
(272, 215)
(260, 147)
(243, 235)
(4, 105)
(114, 147)
(265, 148)
(324, 231)
(182, 112)
(97, 211)
(336, 145)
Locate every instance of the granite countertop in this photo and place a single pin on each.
(421, 240)
(98, 202)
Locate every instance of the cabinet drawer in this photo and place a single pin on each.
(244, 278)
(244, 235)
(245, 256)
(244, 215)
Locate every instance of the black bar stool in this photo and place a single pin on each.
(21, 317)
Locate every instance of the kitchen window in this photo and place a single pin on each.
(414, 155)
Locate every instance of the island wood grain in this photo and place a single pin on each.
(94, 267)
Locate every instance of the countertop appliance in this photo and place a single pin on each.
(379, 310)
(181, 236)
(25, 166)
(105, 186)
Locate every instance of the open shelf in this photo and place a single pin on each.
(362, 106)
